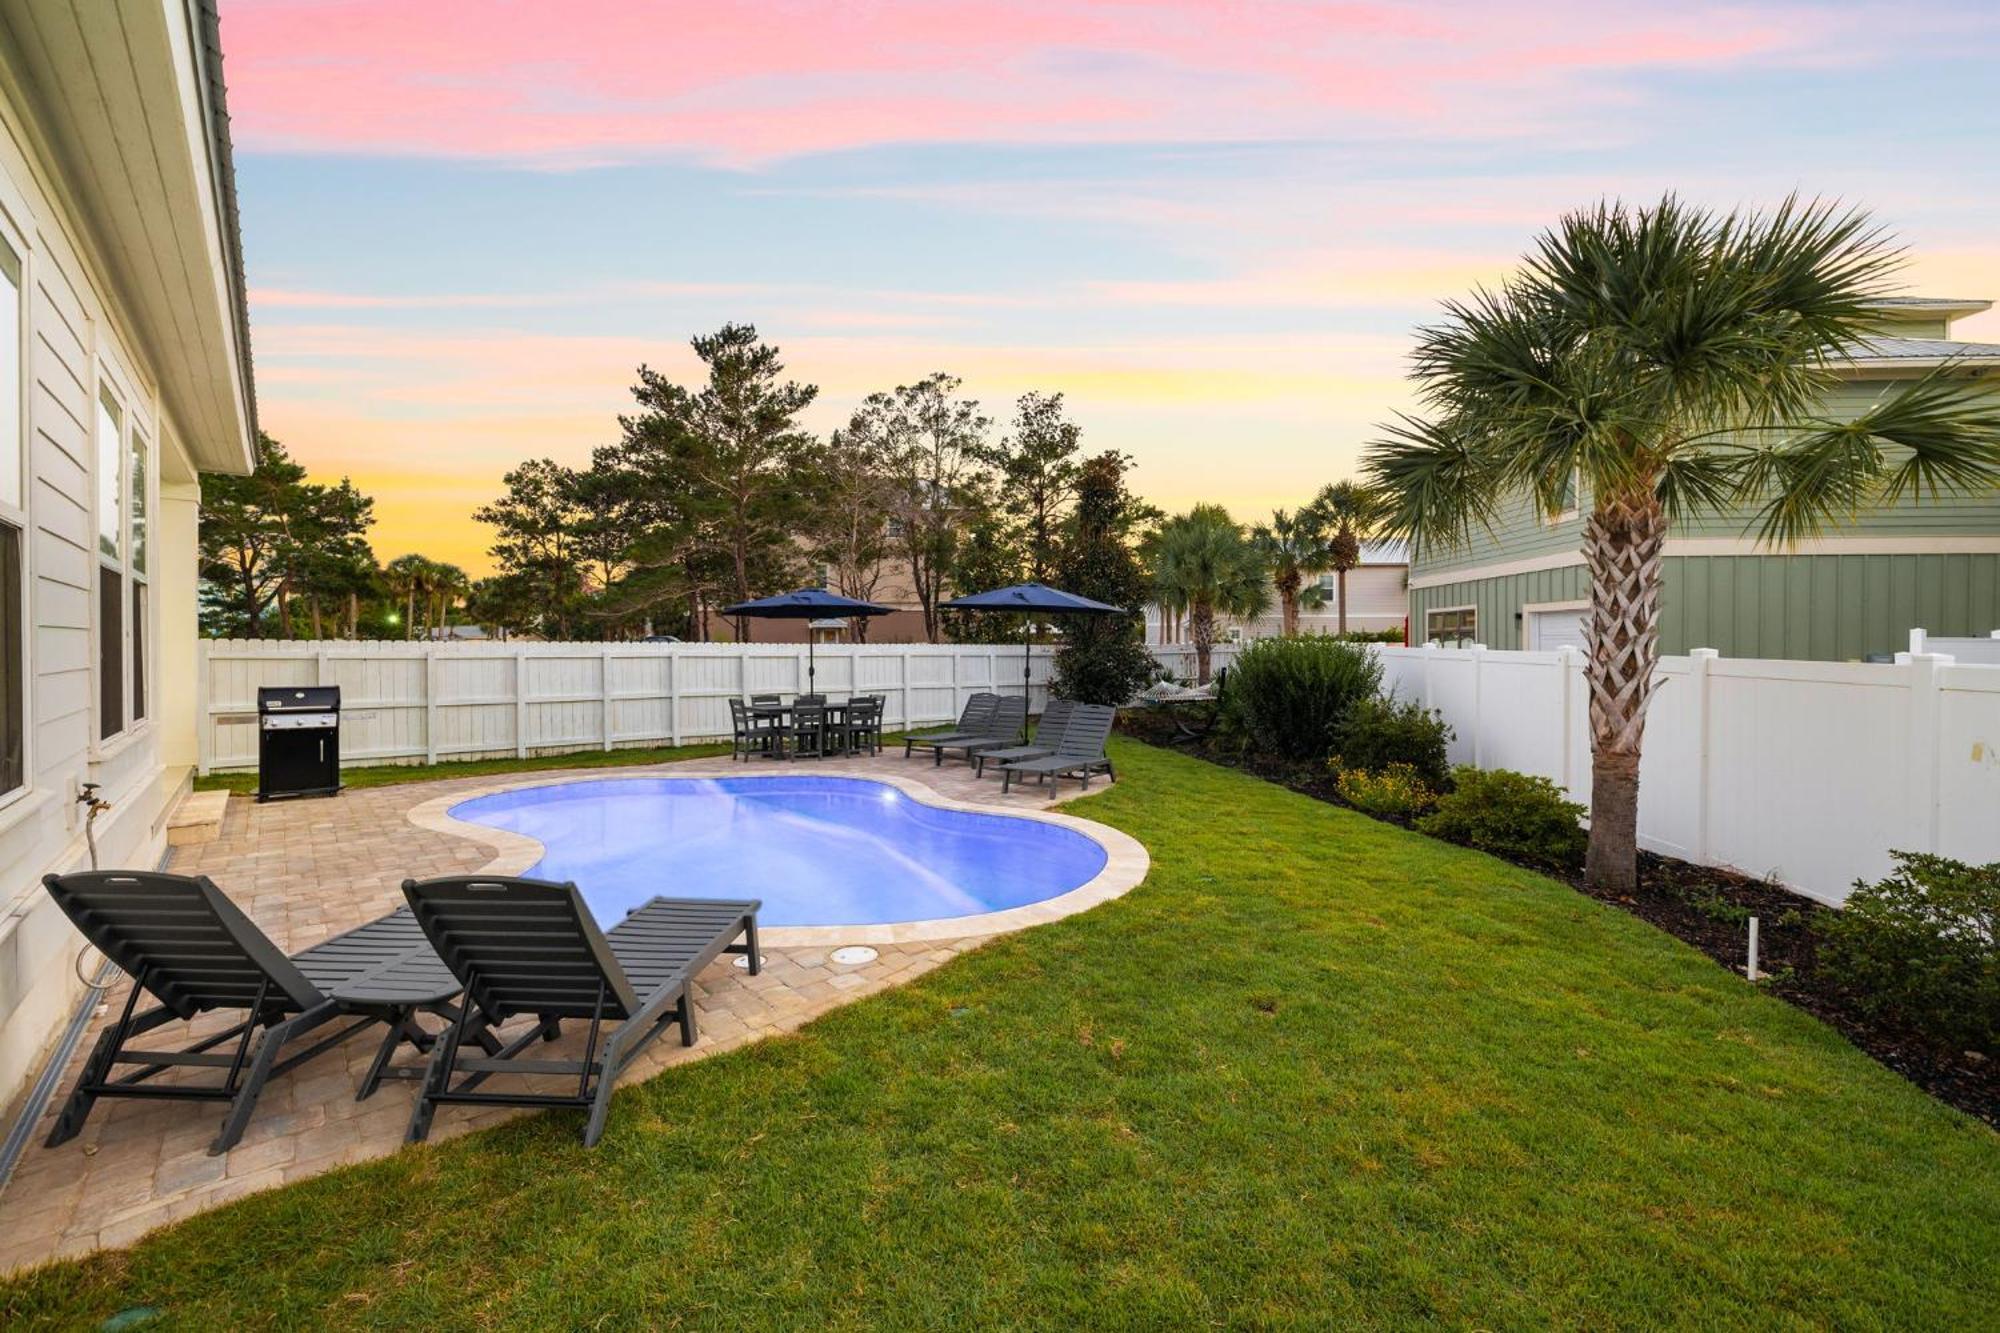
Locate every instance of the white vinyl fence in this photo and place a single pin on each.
(421, 702)
(1807, 772)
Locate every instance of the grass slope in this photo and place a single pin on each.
(1315, 1071)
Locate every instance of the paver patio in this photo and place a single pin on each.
(306, 870)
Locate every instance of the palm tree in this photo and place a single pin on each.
(1351, 511)
(408, 577)
(1675, 361)
(1293, 546)
(1202, 566)
(447, 584)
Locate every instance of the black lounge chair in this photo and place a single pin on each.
(1079, 751)
(1003, 727)
(1054, 718)
(188, 946)
(972, 720)
(524, 946)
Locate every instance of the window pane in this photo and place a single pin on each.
(110, 461)
(13, 664)
(138, 503)
(110, 653)
(138, 651)
(10, 376)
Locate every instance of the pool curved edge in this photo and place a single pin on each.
(1125, 859)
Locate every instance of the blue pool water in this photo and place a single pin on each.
(820, 851)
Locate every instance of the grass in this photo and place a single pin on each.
(1316, 1071)
(386, 775)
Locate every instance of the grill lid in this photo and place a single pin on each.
(298, 699)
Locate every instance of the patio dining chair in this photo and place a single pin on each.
(804, 732)
(1047, 730)
(185, 944)
(751, 732)
(972, 721)
(525, 947)
(864, 723)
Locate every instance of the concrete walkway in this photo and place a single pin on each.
(306, 870)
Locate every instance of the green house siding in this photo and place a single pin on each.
(1825, 607)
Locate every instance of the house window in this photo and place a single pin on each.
(1454, 628)
(1566, 502)
(110, 566)
(13, 523)
(140, 535)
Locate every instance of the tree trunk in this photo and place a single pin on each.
(1340, 577)
(410, 615)
(1622, 545)
(1201, 627)
(285, 610)
(353, 614)
(1288, 604)
(312, 600)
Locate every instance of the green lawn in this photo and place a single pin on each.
(1315, 1072)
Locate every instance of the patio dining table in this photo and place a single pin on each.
(834, 738)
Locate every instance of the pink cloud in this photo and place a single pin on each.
(742, 80)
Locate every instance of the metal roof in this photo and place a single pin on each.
(1876, 351)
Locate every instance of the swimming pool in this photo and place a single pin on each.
(819, 851)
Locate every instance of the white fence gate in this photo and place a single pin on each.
(1807, 772)
(421, 702)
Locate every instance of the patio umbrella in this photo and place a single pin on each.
(1032, 599)
(806, 604)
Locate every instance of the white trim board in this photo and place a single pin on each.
(1699, 546)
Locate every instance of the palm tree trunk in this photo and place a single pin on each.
(1201, 628)
(1622, 545)
(410, 614)
(312, 600)
(1340, 577)
(1288, 604)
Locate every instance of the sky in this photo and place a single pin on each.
(1212, 226)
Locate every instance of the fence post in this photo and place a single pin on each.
(1699, 662)
(1478, 702)
(430, 704)
(520, 704)
(1926, 746)
(604, 692)
(1566, 666)
(204, 740)
(673, 660)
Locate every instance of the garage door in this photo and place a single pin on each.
(1550, 630)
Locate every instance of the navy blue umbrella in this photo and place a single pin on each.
(1033, 599)
(806, 604)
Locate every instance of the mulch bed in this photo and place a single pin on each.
(1708, 908)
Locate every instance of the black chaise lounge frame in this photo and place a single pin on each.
(972, 723)
(1003, 726)
(189, 947)
(524, 946)
(1047, 731)
(1079, 751)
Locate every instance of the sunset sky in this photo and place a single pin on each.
(1212, 226)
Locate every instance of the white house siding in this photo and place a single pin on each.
(76, 341)
(1377, 599)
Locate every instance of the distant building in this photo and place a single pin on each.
(1377, 599)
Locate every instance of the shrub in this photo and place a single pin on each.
(1923, 946)
(1509, 814)
(1381, 731)
(1373, 635)
(1396, 790)
(1288, 696)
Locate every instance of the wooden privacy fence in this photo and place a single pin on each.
(421, 702)
(1806, 772)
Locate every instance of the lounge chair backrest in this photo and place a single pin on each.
(1054, 718)
(1089, 727)
(1008, 718)
(521, 946)
(193, 947)
(978, 711)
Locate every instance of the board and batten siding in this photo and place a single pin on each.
(75, 340)
(1831, 608)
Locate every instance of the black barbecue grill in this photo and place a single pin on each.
(298, 741)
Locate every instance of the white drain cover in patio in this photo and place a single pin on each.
(853, 955)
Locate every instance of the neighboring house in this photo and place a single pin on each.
(124, 372)
(904, 623)
(1377, 599)
(1856, 591)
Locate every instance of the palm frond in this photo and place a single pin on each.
(1435, 483)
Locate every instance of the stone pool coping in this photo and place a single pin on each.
(1125, 860)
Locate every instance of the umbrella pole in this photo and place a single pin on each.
(812, 669)
(1027, 690)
